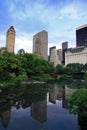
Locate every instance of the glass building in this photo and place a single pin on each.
(81, 36)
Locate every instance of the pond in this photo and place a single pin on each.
(37, 107)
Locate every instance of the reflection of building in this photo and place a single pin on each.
(40, 44)
(67, 92)
(55, 55)
(10, 39)
(55, 94)
(81, 36)
(5, 118)
(39, 111)
(76, 55)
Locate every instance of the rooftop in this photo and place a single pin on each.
(80, 27)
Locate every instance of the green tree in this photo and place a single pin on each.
(78, 105)
(74, 68)
(60, 69)
(21, 51)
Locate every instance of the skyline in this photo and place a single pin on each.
(59, 18)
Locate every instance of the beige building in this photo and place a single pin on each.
(40, 44)
(10, 39)
(56, 56)
(76, 55)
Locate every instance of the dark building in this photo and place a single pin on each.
(50, 50)
(64, 48)
(81, 36)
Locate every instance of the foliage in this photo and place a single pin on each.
(78, 105)
(21, 51)
(59, 69)
(14, 67)
(78, 100)
(85, 76)
(74, 68)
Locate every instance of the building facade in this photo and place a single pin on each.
(55, 56)
(64, 48)
(40, 44)
(50, 50)
(10, 39)
(81, 36)
(76, 55)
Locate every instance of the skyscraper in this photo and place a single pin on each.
(40, 44)
(64, 48)
(81, 36)
(10, 39)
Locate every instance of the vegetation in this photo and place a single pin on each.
(15, 68)
(78, 105)
(72, 70)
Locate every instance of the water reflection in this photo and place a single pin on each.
(5, 118)
(67, 92)
(37, 100)
(39, 111)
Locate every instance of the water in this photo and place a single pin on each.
(41, 107)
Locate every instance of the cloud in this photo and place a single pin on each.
(73, 11)
(2, 40)
(24, 42)
(59, 18)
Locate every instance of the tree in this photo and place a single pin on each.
(78, 105)
(59, 69)
(21, 51)
(74, 68)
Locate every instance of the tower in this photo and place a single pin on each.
(81, 36)
(40, 44)
(64, 48)
(10, 39)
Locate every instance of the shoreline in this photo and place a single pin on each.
(33, 82)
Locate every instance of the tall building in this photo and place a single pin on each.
(55, 55)
(64, 48)
(10, 39)
(40, 44)
(81, 36)
(50, 50)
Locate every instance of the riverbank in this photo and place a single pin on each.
(33, 82)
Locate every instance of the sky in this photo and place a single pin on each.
(59, 18)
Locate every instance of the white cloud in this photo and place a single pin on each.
(2, 40)
(23, 43)
(74, 11)
(69, 12)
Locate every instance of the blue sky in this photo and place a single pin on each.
(59, 17)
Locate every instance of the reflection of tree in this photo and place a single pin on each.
(22, 96)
